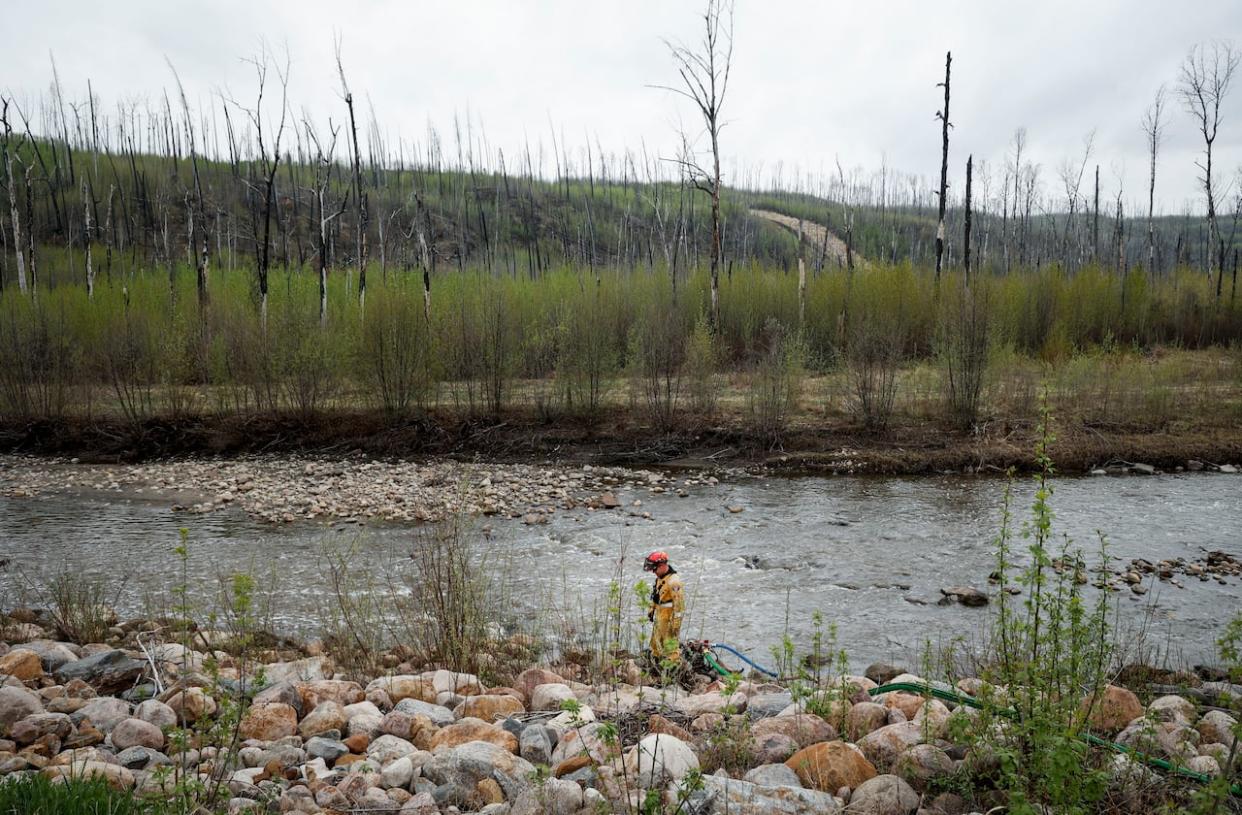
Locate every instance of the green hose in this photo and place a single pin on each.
(970, 701)
(1096, 741)
(710, 659)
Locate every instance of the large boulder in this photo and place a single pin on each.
(137, 733)
(865, 717)
(1173, 708)
(414, 728)
(326, 716)
(719, 795)
(763, 705)
(389, 748)
(773, 775)
(1216, 727)
(405, 686)
(21, 663)
(922, 764)
(549, 696)
(658, 760)
(439, 715)
(329, 690)
(884, 795)
(537, 743)
(555, 796)
(301, 670)
(108, 672)
(803, 728)
(907, 703)
(831, 765)
(39, 725)
(115, 775)
(192, 704)
(489, 707)
(105, 712)
(883, 746)
(157, 713)
(1112, 709)
(269, 722)
(772, 748)
(584, 741)
(468, 730)
(52, 654)
(882, 673)
(697, 704)
(461, 684)
(460, 769)
(532, 678)
(1175, 741)
(16, 704)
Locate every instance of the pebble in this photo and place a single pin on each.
(283, 489)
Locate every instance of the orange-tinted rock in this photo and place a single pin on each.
(1114, 708)
(490, 707)
(469, 729)
(269, 722)
(830, 765)
(658, 724)
(21, 663)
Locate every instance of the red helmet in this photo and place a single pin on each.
(654, 560)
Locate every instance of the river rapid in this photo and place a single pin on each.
(760, 556)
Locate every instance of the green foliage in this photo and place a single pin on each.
(1049, 654)
(36, 795)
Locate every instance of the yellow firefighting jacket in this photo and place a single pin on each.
(668, 607)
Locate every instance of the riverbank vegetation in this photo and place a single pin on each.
(871, 355)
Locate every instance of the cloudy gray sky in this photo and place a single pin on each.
(812, 80)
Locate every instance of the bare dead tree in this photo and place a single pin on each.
(269, 163)
(704, 72)
(1154, 120)
(11, 183)
(970, 160)
(196, 211)
(87, 204)
(323, 177)
(943, 116)
(1206, 75)
(360, 199)
(1071, 179)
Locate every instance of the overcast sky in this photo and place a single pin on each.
(811, 80)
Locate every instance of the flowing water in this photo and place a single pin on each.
(869, 554)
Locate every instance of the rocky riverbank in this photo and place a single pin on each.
(289, 732)
(283, 489)
(823, 444)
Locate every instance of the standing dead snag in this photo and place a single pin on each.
(323, 178)
(1153, 128)
(11, 183)
(705, 75)
(268, 164)
(943, 116)
(966, 237)
(359, 199)
(1206, 76)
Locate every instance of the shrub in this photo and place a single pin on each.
(1048, 655)
(964, 347)
(775, 381)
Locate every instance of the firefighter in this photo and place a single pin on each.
(667, 607)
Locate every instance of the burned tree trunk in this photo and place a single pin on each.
(943, 116)
(967, 215)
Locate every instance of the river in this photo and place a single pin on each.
(869, 554)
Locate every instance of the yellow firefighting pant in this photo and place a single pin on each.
(666, 634)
